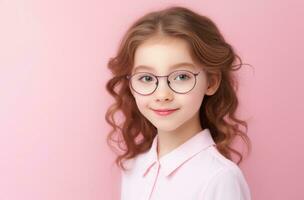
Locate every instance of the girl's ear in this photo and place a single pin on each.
(214, 81)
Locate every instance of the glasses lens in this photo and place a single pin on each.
(182, 81)
(143, 83)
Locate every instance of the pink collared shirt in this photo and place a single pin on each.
(194, 170)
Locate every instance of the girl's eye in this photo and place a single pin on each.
(148, 78)
(183, 77)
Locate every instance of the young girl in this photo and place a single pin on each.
(174, 83)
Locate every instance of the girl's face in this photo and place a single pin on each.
(160, 54)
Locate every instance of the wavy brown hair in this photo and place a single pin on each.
(208, 47)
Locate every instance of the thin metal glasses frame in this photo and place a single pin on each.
(168, 82)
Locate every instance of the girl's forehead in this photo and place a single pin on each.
(163, 54)
(167, 45)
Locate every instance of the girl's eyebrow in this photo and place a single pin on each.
(182, 64)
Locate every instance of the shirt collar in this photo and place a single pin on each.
(179, 155)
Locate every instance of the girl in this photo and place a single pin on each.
(177, 93)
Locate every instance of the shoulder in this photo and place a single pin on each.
(212, 161)
(226, 180)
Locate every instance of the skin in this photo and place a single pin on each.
(173, 130)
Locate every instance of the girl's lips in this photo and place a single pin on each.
(164, 112)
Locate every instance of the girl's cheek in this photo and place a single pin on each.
(196, 96)
(141, 102)
(191, 101)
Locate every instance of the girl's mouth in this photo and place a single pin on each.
(164, 112)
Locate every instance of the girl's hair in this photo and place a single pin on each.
(208, 47)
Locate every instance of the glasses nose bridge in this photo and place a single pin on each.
(166, 79)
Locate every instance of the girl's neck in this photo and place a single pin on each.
(168, 141)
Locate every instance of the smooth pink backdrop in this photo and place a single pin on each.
(53, 71)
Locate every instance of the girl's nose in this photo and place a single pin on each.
(163, 91)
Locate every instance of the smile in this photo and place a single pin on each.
(164, 112)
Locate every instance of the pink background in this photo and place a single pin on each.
(53, 57)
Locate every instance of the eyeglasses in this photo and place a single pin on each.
(145, 83)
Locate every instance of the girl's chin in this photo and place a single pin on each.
(166, 127)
